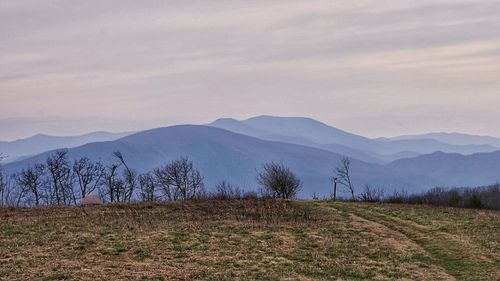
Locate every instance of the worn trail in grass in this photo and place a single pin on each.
(246, 240)
(465, 243)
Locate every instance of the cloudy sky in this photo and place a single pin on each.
(378, 68)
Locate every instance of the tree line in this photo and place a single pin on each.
(485, 197)
(60, 181)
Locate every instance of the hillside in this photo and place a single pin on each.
(223, 155)
(453, 169)
(249, 240)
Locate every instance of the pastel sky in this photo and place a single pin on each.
(378, 68)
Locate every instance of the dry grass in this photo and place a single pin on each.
(464, 242)
(245, 240)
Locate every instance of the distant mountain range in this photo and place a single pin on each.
(453, 138)
(223, 155)
(453, 169)
(23, 148)
(307, 131)
(232, 150)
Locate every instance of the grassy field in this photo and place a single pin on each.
(250, 240)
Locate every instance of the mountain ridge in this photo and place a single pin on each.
(452, 138)
(307, 131)
(224, 155)
(39, 143)
(453, 169)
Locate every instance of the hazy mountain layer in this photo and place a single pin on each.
(223, 155)
(306, 131)
(453, 169)
(22, 148)
(454, 138)
(310, 148)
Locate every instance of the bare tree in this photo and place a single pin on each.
(8, 188)
(61, 178)
(3, 182)
(278, 181)
(225, 190)
(164, 180)
(89, 175)
(30, 181)
(3, 188)
(117, 188)
(11, 191)
(110, 176)
(147, 183)
(343, 172)
(129, 178)
(113, 184)
(371, 194)
(179, 180)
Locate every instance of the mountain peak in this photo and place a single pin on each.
(283, 118)
(315, 131)
(39, 136)
(224, 121)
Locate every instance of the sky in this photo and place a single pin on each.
(376, 68)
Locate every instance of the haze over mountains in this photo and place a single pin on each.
(453, 138)
(232, 150)
(22, 148)
(453, 169)
(223, 155)
(310, 132)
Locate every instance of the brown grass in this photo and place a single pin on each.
(227, 240)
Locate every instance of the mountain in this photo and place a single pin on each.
(454, 138)
(23, 148)
(426, 146)
(307, 128)
(224, 155)
(309, 132)
(453, 169)
(241, 127)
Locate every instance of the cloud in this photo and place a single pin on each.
(192, 61)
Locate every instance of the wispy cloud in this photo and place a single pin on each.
(163, 62)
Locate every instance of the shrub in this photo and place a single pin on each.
(474, 202)
(278, 181)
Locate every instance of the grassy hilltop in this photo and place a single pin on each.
(250, 240)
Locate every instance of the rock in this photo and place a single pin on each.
(91, 200)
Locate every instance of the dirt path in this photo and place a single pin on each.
(459, 259)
